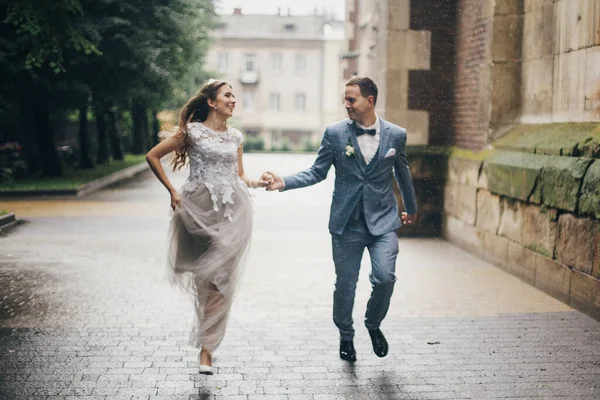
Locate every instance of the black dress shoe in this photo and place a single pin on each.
(347, 351)
(380, 345)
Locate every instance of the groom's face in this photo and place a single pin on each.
(356, 105)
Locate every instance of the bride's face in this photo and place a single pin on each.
(225, 101)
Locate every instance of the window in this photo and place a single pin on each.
(300, 102)
(300, 63)
(250, 64)
(276, 62)
(248, 101)
(274, 101)
(223, 62)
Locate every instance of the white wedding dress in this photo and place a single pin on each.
(210, 233)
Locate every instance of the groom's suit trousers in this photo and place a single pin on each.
(348, 249)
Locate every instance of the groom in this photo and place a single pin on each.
(364, 150)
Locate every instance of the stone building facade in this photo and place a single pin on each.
(284, 69)
(505, 96)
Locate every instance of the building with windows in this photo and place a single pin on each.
(285, 72)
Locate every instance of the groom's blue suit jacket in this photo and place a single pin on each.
(355, 180)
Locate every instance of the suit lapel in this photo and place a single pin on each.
(358, 157)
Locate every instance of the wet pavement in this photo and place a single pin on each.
(86, 312)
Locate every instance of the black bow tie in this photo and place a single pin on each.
(360, 131)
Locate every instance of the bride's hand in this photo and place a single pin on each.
(175, 200)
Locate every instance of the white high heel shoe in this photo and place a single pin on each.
(204, 369)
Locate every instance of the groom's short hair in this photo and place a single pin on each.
(366, 85)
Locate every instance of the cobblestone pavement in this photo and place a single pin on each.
(86, 313)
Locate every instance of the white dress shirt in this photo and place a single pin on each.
(369, 143)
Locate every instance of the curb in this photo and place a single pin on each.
(86, 188)
(7, 220)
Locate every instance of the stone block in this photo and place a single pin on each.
(507, 38)
(592, 80)
(495, 249)
(531, 5)
(482, 182)
(463, 235)
(451, 192)
(575, 242)
(488, 211)
(513, 174)
(537, 89)
(508, 7)
(560, 181)
(505, 93)
(511, 221)
(468, 204)
(589, 200)
(399, 14)
(585, 293)
(415, 48)
(460, 201)
(539, 229)
(463, 171)
(596, 261)
(521, 262)
(553, 277)
(564, 139)
(569, 88)
(397, 87)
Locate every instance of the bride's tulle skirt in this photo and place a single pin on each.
(206, 256)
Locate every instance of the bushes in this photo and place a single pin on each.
(68, 155)
(12, 164)
(254, 144)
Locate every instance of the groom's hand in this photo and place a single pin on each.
(409, 218)
(275, 181)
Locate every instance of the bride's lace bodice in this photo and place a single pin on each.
(213, 163)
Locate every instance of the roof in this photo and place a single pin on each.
(298, 27)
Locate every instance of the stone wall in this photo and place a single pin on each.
(524, 61)
(533, 212)
(561, 59)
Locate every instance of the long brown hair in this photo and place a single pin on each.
(195, 110)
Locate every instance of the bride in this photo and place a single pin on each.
(211, 222)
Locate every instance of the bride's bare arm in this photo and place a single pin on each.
(249, 182)
(153, 158)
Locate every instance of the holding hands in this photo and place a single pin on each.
(274, 181)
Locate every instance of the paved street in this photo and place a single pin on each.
(86, 312)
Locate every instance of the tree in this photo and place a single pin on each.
(36, 34)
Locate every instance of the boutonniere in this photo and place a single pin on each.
(349, 149)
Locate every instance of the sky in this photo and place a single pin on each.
(297, 7)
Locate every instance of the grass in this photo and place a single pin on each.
(72, 178)
(2, 212)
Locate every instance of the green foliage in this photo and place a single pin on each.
(12, 164)
(309, 145)
(48, 29)
(254, 144)
(116, 53)
(73, 177)
(284, 146)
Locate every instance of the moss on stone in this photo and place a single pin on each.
(471, 155)
(566, 139)
(539, 249)
(589, 201)
(561, 179)
(514, 174)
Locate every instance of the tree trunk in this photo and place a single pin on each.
(114, 133)
(139, 125)
(155, 128)
(86, 160)
(51, 165)
(102, 157)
